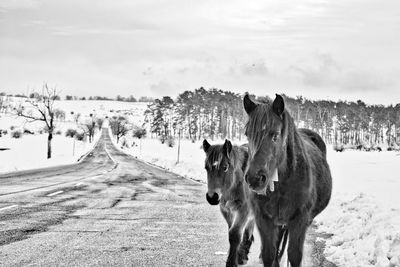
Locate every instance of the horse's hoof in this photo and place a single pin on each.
(242, 261)
(231, 264)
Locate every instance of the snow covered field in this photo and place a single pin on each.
(133, 110)
(363, 217)
(30, 151)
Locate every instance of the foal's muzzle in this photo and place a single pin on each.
(214, 200)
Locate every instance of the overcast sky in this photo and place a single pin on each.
(342, 49)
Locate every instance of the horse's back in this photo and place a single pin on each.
(317, 153)
(315, 138)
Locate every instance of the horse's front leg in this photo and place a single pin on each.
(297, 234)
(269, 236)
(247, 240)
(235, 237)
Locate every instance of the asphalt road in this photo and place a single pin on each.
(113, 210)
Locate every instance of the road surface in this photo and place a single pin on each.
(113, 210)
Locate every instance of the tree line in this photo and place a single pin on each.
(130, 98)
(195, 114)
(218, 114)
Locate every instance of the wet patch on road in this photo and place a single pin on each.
(42, 225)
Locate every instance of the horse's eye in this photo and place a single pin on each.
(274, 137)
(226, 168)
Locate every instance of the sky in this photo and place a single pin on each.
(343, 49)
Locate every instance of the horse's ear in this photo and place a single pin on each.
(248, 104)
(227, 147)
(278, 106)
(206, 145)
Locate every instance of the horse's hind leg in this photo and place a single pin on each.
(297, 234)
(247, 240)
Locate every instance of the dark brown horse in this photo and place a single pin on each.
(225, 165)
(289, 176)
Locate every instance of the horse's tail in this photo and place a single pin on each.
(283, 238)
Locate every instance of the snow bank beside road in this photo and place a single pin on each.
(363, 217)
(364, 214)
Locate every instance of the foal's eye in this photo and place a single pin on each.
(226, 168)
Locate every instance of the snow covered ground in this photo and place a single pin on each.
(363, 217)
(101, 108)
(30, 151)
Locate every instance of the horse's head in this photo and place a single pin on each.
(219, 170)
(265, 133)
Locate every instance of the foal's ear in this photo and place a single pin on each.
(227, 147)
(206, 145)
(278, 106)
(248, 104)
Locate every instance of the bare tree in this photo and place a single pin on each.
(99, 122)
(89, 127)
(42, 109)
(2, 103)
(59, 114)
(119, 126)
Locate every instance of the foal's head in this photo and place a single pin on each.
(265, 131)
(219, 166)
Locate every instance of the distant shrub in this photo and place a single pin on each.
(138, 132)
(12, 128)
(70, 133)
(27, 131)
(338, 148)
(5, 132)
(40, 132)
(79, 136)
(162, 139)
(58, 132)
(124, 143)
(170, 141)
(16, 134)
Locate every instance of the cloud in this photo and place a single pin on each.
(325, 72)
(250, 68)
(18, 4)
(163, 88)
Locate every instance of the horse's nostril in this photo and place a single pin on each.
(263, 178)
(214, 200)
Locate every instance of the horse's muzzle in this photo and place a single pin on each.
(257, 181)
(214, 200)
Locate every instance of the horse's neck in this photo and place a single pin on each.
(295, 155)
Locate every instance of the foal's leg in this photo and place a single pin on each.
(227, 215)
(247, 240)
(297, 234)
(269, 235)
(235, 237)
